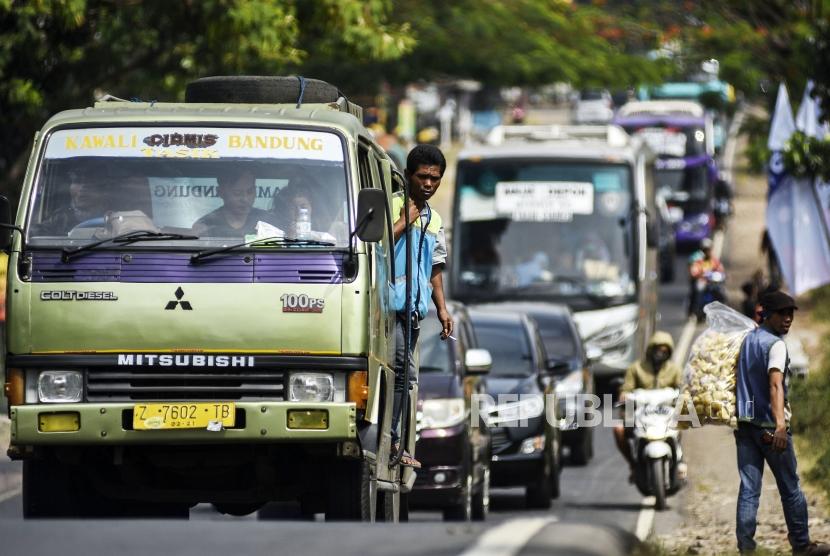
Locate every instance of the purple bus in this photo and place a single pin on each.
(685, 171)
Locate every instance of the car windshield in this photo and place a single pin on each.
(544, 229)
(434, 352)
(557, 336)
(508, 346)
(671, 140)
(682, 184)
(220, 184)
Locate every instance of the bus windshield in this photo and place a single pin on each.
(546, 229)
(219, 184)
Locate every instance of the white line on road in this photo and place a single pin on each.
(9, 494)
(508, 538)
(646, 519)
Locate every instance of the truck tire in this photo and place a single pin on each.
(350, 492)
(256, 89)
(50, 490)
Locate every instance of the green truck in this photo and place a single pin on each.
(199, 307)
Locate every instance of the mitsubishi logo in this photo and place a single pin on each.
(179, 295)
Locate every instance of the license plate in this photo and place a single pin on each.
(184, 415)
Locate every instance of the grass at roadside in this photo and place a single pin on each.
(809, 398)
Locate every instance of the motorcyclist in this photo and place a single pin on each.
(655, 370)
(701, 262)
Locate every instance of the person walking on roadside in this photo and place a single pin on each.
(763, 432)
(425, 167)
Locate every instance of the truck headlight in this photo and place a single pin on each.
(60, 386)
(316, 387)
(442, 413)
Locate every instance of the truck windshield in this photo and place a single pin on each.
(544, 229)
(221, 185)
(685, 185)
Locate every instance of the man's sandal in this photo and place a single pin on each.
(407, 460)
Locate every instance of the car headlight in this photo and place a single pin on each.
(532, 445)
(442, 413)
(613, 336)
(60, 386)
(571, 385)
(316, 387)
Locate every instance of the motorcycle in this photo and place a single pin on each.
(658, 470)
(709, 287)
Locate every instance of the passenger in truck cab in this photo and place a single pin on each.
(301, 200)
(237, 216)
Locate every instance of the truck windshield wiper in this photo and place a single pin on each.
(129, 237)
(264, 242)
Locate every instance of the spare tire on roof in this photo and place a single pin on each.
(255, 89)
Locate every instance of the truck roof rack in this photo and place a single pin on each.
(613, 135)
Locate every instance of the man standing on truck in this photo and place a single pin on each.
(425, 167)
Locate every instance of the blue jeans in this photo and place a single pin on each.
(751, 456)
(399, 370)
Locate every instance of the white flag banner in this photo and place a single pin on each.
(807, 119)
(794, 221)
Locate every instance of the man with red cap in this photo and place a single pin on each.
(763, 428)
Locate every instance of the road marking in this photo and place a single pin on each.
(508, 538)
(685, 341)
(718, 239)
(645, 521)
(9, 494)
(732, 144)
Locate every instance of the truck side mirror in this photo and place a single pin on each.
(478, 361)
(6, 225)
(558, 367)
(371, 215)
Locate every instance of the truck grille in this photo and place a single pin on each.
(120, 384)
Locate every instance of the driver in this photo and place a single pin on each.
(237, 216)
(655, 370)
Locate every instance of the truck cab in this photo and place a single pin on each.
(199, 307)
(561, 214)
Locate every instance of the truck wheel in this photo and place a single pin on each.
(463, 509)
(403, 514)
(350, 492)
(481, 499)
(255, 89)
(387, 511)
(50, 490)
(538, 494)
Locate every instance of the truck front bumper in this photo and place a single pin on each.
(111, 424)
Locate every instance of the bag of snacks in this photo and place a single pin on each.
(710, 374)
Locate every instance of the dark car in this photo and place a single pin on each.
(523, 419)
(453, 450)
(570, 363)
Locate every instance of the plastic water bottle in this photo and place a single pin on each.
(302, 229)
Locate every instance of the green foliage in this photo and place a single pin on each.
(812, 420)
(59, 54)
(757, 154)
(806, 156)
